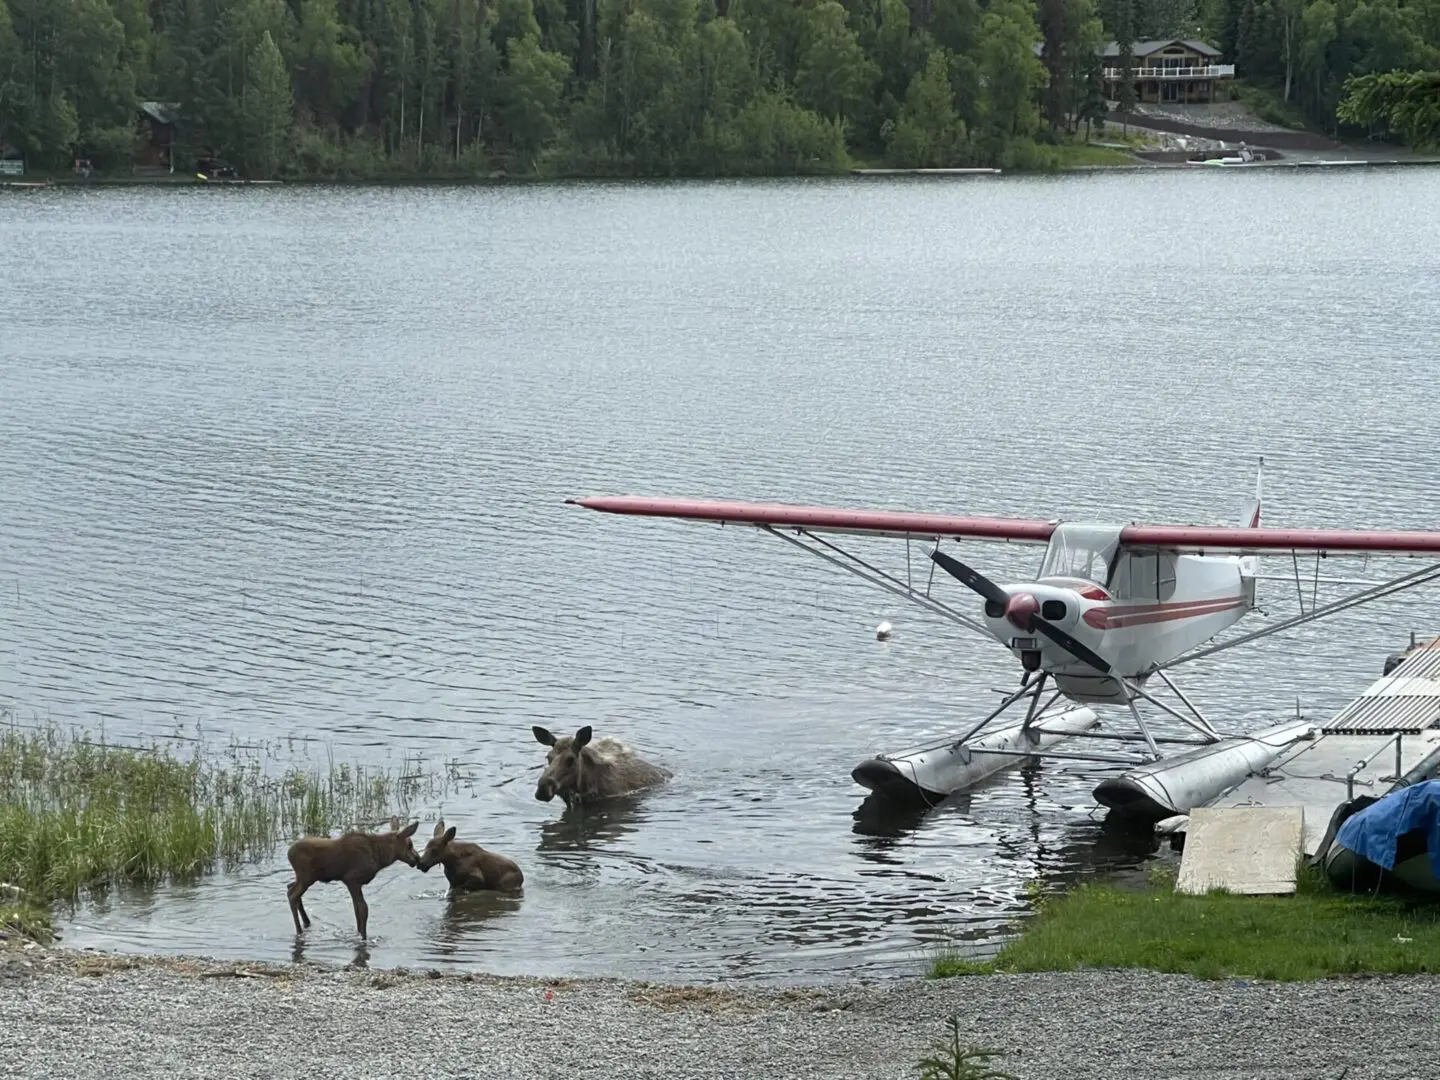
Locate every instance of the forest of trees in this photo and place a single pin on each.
(645, 87)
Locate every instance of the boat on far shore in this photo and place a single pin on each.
(1246, 156)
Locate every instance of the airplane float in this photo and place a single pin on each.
(1111, 610)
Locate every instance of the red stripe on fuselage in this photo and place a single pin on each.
(1122, 615)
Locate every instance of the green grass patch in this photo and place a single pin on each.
(22, 916)
(951, 965)
(1135, 138)
(1082, 155)
(1314, 934)
(77, 813)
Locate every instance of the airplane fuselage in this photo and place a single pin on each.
(1134, 609)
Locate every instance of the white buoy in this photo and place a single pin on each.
(882, 632)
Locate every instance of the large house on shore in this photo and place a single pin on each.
(1167, 72)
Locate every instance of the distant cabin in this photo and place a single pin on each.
(156, 145)
(1167, 72)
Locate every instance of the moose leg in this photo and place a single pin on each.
(510, 881)
(293, 892)
(362, 909)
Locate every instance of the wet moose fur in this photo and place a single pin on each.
(354, 859)
(581, 771)
(469, 866)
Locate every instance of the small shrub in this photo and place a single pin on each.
(951, 1061)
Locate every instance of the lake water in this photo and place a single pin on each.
(289, 466)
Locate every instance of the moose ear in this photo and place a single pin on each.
(394, 824)
(542, 736)
(582, 737)
(439, 827)
(450, 834)
(409, 830)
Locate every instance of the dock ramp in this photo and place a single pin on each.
(1242, 849)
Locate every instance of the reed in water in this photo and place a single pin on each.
(78, 812)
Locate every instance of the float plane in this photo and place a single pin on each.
(1111, 609)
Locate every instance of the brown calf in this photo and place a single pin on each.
(469, 866)
(354, 858)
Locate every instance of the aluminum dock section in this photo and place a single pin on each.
(1388, 736)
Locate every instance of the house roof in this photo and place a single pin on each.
(1146, 48)
(162, 112)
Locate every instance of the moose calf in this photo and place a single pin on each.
(469, 866)
(354, 858)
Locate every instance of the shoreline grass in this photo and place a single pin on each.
(1317, 933)
(22, 916)
(1073, 153)
(1083, 155)
(78, 814)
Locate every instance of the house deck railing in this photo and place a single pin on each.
(1207, 71)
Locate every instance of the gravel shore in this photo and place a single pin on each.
(1228, 116)
(78, 1016)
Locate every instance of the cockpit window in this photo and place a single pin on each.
(1081, 551)
(1145, 575)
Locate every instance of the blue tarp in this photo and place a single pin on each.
(1373, 831)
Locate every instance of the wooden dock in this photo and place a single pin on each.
(924, 172)
(1386, 738)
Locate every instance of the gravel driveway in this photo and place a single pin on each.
(79, 1016)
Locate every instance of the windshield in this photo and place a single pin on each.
(1081, 551)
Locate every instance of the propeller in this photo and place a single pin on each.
(1069, 644)
(1035, 624)
(971, 578)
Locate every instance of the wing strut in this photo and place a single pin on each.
(875, 576)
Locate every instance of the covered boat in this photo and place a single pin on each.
(1398, 836)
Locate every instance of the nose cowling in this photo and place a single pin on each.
(1020, 608)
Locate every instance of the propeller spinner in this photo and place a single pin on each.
(1022, 609)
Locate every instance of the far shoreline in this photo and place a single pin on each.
(1345, 158)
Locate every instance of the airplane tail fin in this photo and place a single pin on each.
(1250, 519)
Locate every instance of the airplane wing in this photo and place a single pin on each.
(1208, 540)
(824, 519)
(1184, 539)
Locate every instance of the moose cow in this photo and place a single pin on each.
(581, 771)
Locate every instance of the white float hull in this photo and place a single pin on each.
(1175, 785)
(936, 772)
